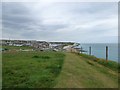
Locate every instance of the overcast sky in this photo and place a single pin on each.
(87, 22)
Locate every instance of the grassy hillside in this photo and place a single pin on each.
(110, 64)
(0, 70)
(81, 72)
(31, 69)
(37, 69)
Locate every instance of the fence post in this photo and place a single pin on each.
(81, 49)
(90, 50)
(106, 53)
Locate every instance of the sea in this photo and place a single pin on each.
(99, 50)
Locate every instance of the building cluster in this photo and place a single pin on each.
(17, 42)
(43, 45)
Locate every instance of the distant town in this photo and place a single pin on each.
(44, 45)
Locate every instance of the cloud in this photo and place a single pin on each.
(60, 21)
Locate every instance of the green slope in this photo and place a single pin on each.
(31, 69)
(54, 69)
(80, 72)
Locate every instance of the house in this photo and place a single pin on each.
(5, 42)
(17, 42)
(56, 47)
(41, 45)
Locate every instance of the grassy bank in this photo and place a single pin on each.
(110, 64)
(31, 69)
(81, 71)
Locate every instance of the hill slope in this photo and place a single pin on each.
(80, 72)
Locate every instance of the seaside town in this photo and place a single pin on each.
(37, 64)
(44, 45)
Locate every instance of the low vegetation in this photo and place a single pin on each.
(110, 64)
(84, 71)
(31, 69)
(48, 69)
(16, 47)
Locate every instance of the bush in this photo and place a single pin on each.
(35, 56)
(42, 57)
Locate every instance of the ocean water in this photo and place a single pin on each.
(99, 50)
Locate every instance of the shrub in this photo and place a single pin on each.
(42, 57)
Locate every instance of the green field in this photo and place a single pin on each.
(31, 69)
(1, 70)
(16, 47)
(37, 69)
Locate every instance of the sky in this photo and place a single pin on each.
(84, 22)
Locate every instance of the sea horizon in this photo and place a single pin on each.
(99, 50)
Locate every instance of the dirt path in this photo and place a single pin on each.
(78, 73)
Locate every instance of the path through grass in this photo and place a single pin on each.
(80, 72)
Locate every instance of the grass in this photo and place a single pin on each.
(0, 70)
(31, 69)
(110, 64)
(80, 71)
(17, 47)
(35, 69)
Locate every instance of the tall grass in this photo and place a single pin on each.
(110, 64)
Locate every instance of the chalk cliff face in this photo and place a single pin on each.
(71, 48)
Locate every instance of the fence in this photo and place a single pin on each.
(90, 52)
